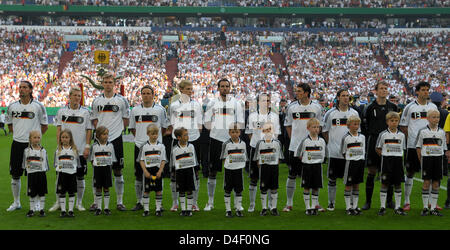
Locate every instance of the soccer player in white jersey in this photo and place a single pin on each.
(220, 113)
(391, 145)
(187, 113)
(76, 118)
(353, 148)
(234, 156)
(112, 111)
(297, 115)
(23, 116)
(414, 117)
(256, 119)
(334, 128)
(431, 145)
(312, 151)
(141, 117)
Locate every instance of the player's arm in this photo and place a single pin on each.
(404, 130)
(10, 128)
(325, 136)
(419, 154)
(378, 150)
(161, 169)
(289, 131)
(88, 142)
(144, 169)
(126, 121)
(94, 123)
(133, 131)
(58, 132)
(44, 128)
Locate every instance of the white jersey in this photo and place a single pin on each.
(183, 157)
(110, 113)
(414, 117)
(77, 121)
(188, 115)
(2, 118)
(102, 155)
(25, 118)
(221, 114)
(391, 144)
(431, 142)
(312, 151)
(35, 160)
(256, 121)
(335, 123)
(153, 154)
(297, 115)
(66, 160)
(234, 154)
(353, 147)
(141, 117)
(268, 153)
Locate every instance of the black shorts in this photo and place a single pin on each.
(412, 161)
(269, 177)
(118, 151)
(2, 125)
(373, 159)
(392, 172)
(354, 172)
(66, 183)
(233, 180)
(152, 185)
(185, 179)
(215, 150)
(295, 165)
(254, 170)
(432, 167)
(37, 184)
(336, 168)
(102, 177)
(312, 176)
(82, 171)
(16, 158)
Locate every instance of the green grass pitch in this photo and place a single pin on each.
(215, 219)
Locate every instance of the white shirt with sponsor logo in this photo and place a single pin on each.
(255, 122)
(141, 117)
(431, 142)
(312, 151)
(183, 157)
(102, 155)
(353, 147)
(335, 123)
(152, 154)
(268, 153)
(414, 117)
(234, 154)
(66, 160)
(35, 160)
(391, 144)
(25, 118)
(221, 114)
(76, 120)
(297, 115)
(188, 115)
(110, 113)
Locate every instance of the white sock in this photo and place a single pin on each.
(314, 199)
(347, 198)
(158, 202)
(190, 200)
(119, 189)
(408, 187)
(195, 192)
(332, 192)
(264, 200)
(269, 198)
(425, 197)
(183, 202)
(398, 198)
(252, 194)
(274, 200)
(306, 200)
(42, 202)
(81, 186)
(290, 189)
(106, 198)
(15, 187)
(434, 198)
(32, 203)
(138, 188)
(173, 188)
(211, 189)
(227, 198)
(238, 201)
(355, 197)
(71, 202)
(98, 200)
(146, 202)
(383, 194)
(62, 203)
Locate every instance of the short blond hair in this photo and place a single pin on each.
(353, 118)
(433, 111)
(392, 115)
(184, 83)
(108, 75)
(152, 128)
(73, 89)
(312, 121)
